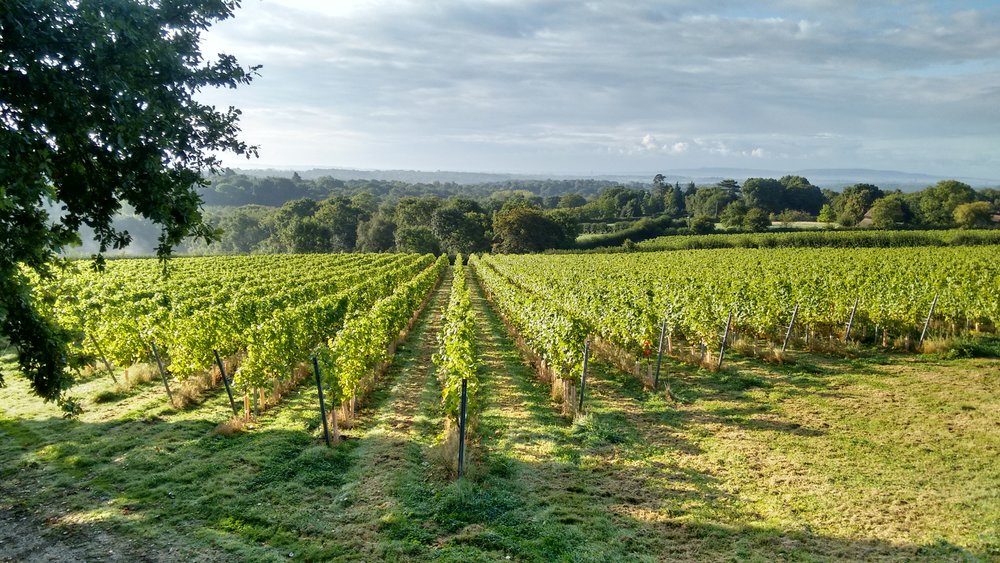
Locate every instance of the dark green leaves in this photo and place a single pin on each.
(97, 111)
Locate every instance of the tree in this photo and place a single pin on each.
(826, 214)
(570, 201)
(801, 195)
(569, 226)
(973, 215)
(889, 211)
(377, 235)
(733, 214)
(708, 201)
(766, 193)
(673, 202)
(854, 202)
(756, 220)
(505, 200)
(790, 216)
(659, 184)
(937, 204)
(97, 110)
(701, 224)
(416, 211)
(525, 229)
(460, 232)
(731, 186)
(340, 217)
(243, 229)
(417, 239)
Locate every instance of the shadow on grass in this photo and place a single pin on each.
(595, 506)
(264, 494)
(176, 484)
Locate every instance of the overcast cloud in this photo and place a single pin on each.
(619, 87)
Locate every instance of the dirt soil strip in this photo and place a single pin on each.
(383, 452)
(24, 538)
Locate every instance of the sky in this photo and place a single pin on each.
(617, 87)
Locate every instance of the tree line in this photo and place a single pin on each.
(537, 215)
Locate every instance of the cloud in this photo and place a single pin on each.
(758, 81)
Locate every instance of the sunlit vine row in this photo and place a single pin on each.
(624, 297)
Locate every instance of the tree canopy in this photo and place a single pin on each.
(98, 110)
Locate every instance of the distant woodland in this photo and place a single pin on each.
(278, 214)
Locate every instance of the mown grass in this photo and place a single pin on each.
(139, 468)
(876, 457)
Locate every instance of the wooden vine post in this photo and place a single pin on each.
(322, 404)
(104, 359)
(659, 354)
(225, 380)
(927, 322)
(850, 321)
(791, 324)
(583, 373)
(163, 373)
(462, 414)
(725, 338)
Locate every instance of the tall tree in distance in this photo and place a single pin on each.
(98, 110)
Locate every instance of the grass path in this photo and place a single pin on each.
(389, 444)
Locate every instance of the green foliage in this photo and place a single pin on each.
(416, 211)
(888, 212)
(99, 110)
(852, 204)
(461, 231)
(789, 216)
(555, 336)
(766, 193)
(273, 309)
(733, 215)
(702, 224)
(973, 215)
(936, 205)
(709, 201)
(800, 195)
(673, 202)
(974, 347)
(756, 220)
(526, 229)
(417, 239)
(363, 342)
(826, 214)
(824, 238)
(456, 357)
(622, 297)
(572, 200)
(640, 230)
(286, 338)
(377, 234)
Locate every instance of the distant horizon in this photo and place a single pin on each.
(706, 172)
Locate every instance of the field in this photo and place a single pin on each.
(867, 450)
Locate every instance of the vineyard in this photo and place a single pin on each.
(266, 314)
(628, 300)
(855, 416)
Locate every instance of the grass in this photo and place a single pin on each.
(874, 457)
(138, 468)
